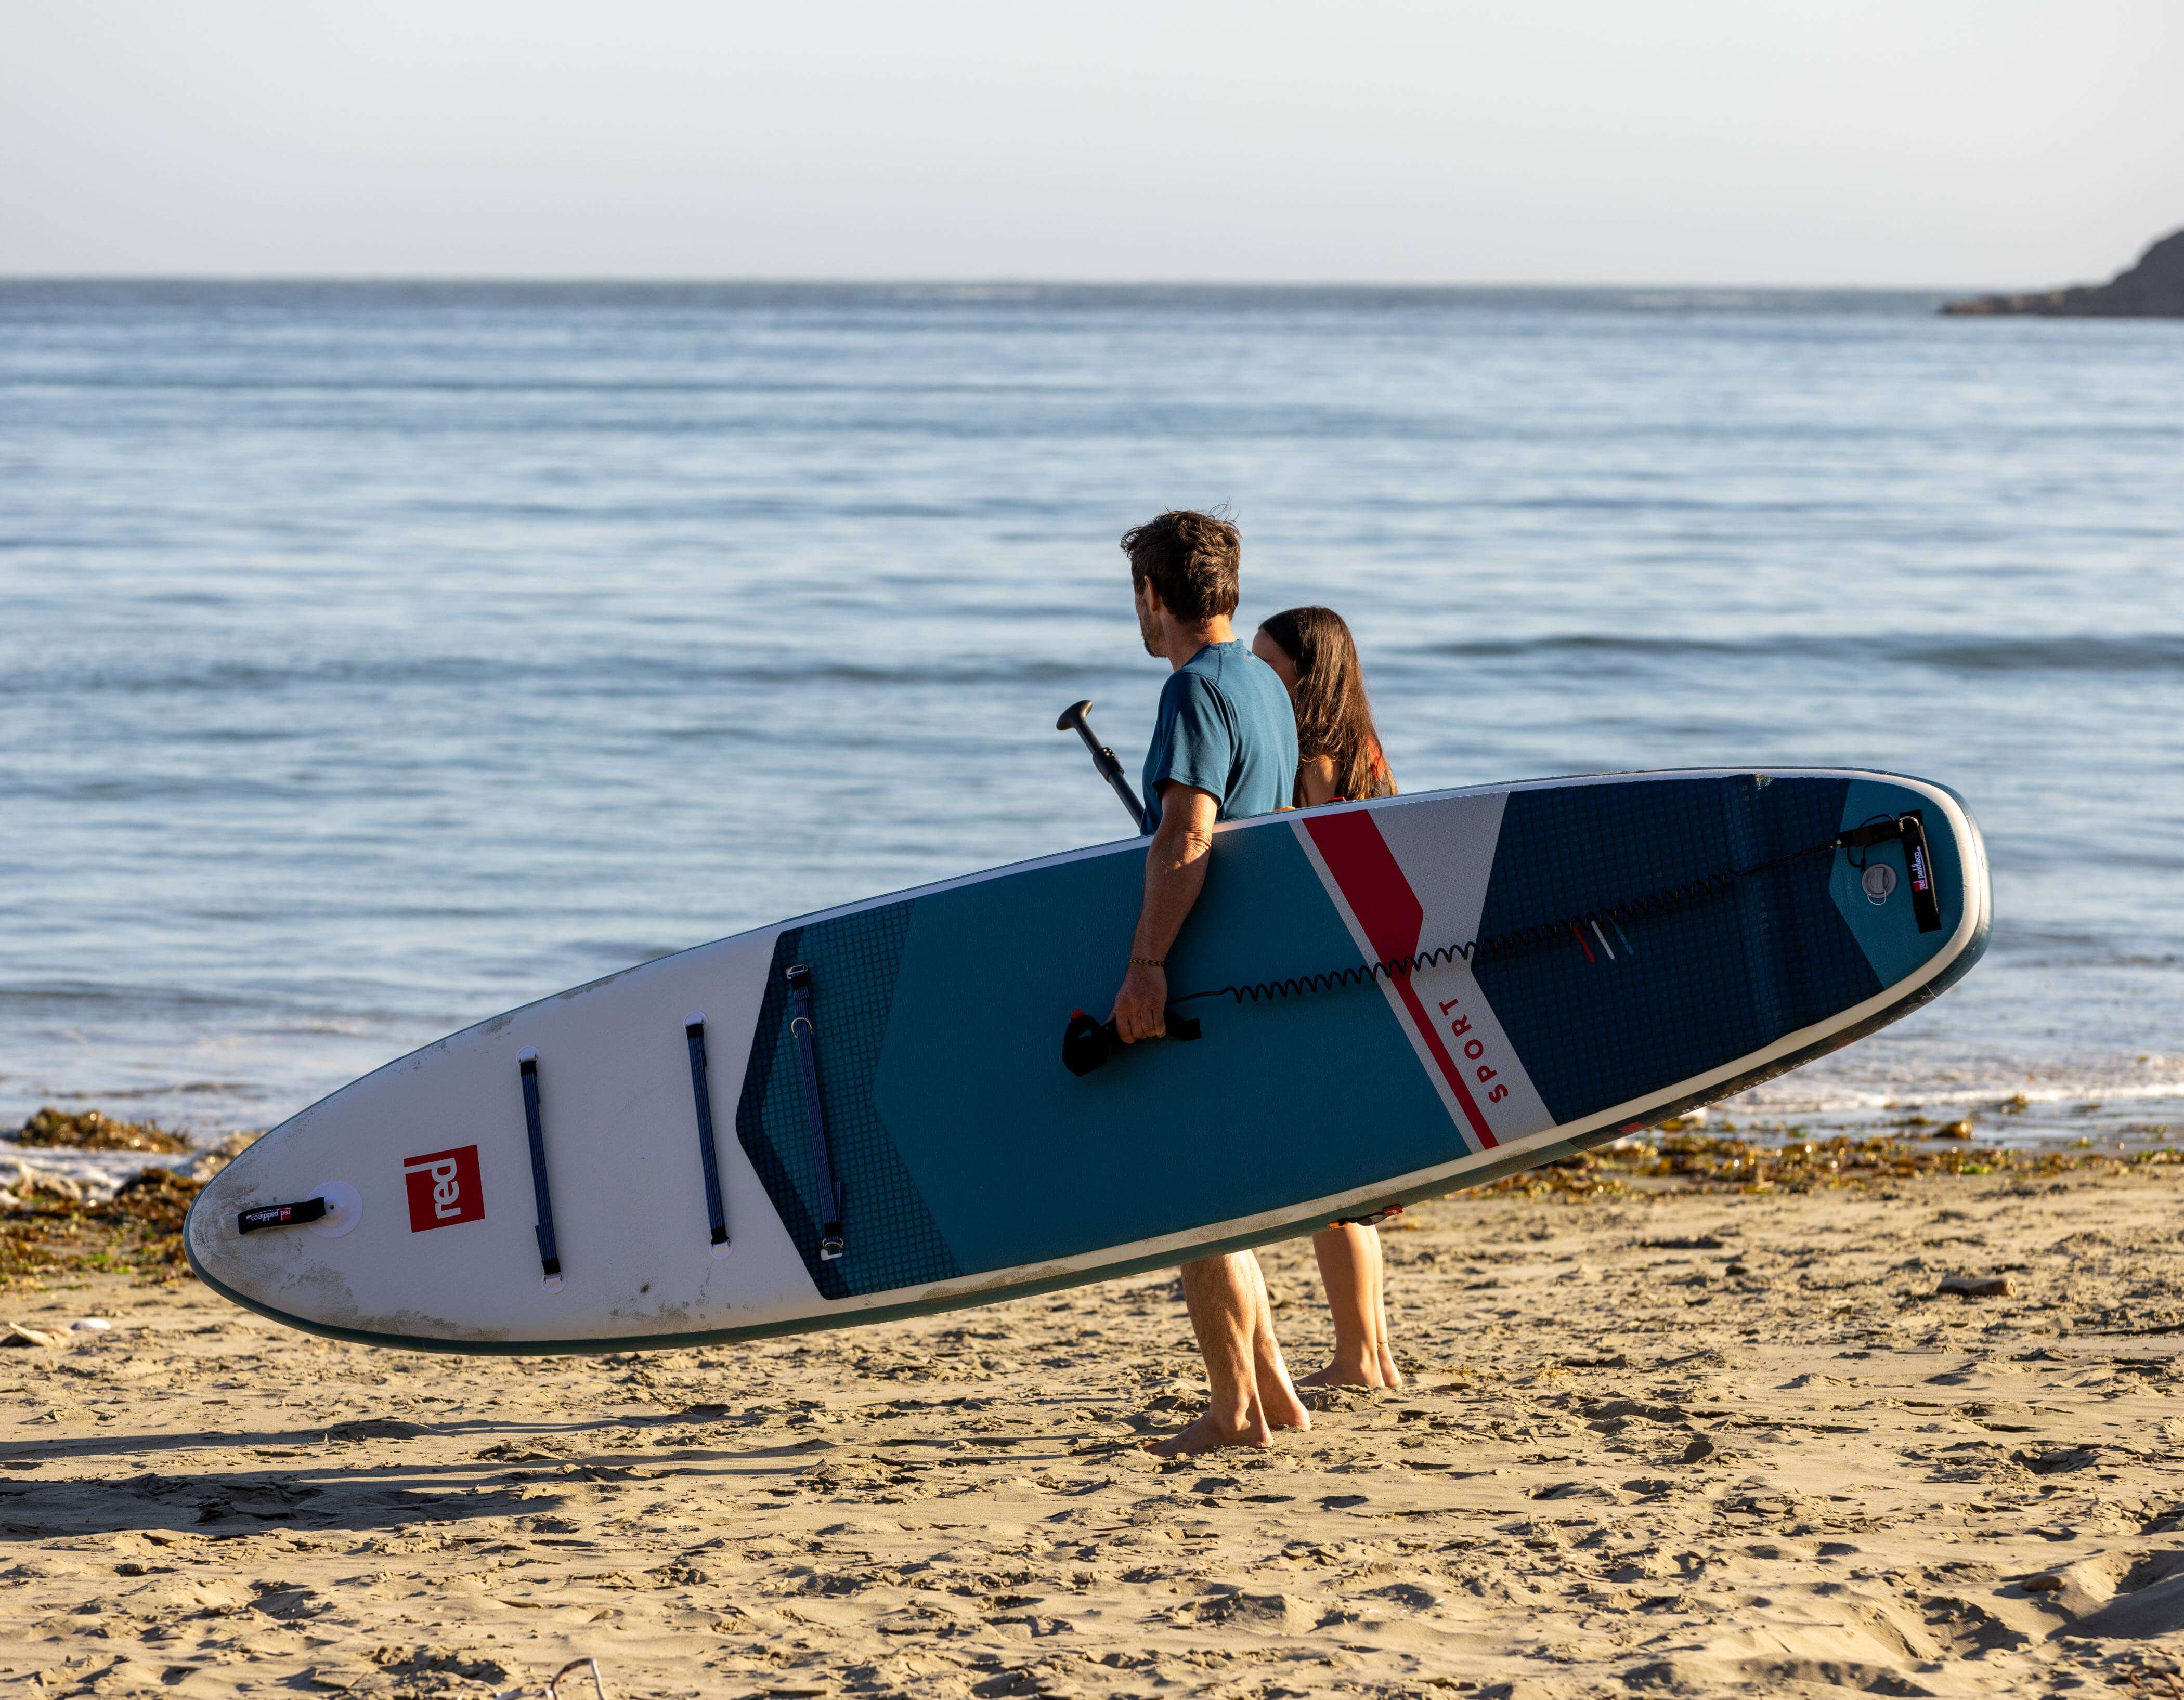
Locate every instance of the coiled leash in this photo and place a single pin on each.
(1086, 1044)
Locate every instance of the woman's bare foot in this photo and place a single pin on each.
(1345, 1372)
(1350, 1265)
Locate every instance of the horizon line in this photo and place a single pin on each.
(939, 281)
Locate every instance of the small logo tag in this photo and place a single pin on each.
(444, 1188)
(1880, 879)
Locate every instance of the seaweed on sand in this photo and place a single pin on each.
(137, 1231)
(1679, 1160)
(93, 1129)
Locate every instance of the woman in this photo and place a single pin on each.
(1338, 757)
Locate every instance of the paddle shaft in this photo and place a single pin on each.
(1075, 718)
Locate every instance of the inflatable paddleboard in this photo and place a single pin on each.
(867, 1113)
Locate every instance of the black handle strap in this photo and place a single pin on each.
(279, 1215)
(1087, 1044)
(694, 1030)
(1918, 858)
(815, 1114)
(549, 1254)
(1909, 828)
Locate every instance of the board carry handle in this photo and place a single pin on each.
(814, 1115)
(694, 1030)
(1074, 719)
(1908, 828)
(1087, 1044)
(549, 1254)
(1918, 858)
(279, 1215)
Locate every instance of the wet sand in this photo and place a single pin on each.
(1697, 1442)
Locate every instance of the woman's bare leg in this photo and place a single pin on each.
(1350, 1267)
(1390, 1376)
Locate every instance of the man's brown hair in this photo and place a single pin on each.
(1191, 559)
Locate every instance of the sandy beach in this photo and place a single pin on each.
(668, 617)
(1668, 1438)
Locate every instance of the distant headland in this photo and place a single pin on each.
(2152, 289)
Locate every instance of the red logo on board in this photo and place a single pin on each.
(444, 1188)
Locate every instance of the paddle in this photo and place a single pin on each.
(1089, 1043)
(1075, 718)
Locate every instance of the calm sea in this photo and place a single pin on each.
(376, 658)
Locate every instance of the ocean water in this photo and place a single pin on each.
(376, 658)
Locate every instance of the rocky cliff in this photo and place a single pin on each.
(2152, 289)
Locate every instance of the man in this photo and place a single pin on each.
(1224, 747)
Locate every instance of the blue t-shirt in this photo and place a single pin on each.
(1225, 727)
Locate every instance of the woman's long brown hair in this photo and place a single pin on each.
(1334, 720)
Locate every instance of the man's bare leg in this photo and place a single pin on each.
(1277, 1397)
(1227, 1297)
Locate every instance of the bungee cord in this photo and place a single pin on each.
(1086, 1044)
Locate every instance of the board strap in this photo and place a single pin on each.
(694, 1030)
(279, 1215)
(1918, 858)
(549, 1254)
(814, 1115)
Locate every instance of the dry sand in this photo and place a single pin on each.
(1695, 1443)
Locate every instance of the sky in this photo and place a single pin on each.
(1949, 143)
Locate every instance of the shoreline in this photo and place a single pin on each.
(66, 1209)
(2136, 1123)
(1686, 1433)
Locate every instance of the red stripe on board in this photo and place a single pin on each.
(1373, 884)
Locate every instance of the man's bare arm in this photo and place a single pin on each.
(1175, 874)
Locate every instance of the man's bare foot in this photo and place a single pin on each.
(1284, 1409)
(1206, 1435)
